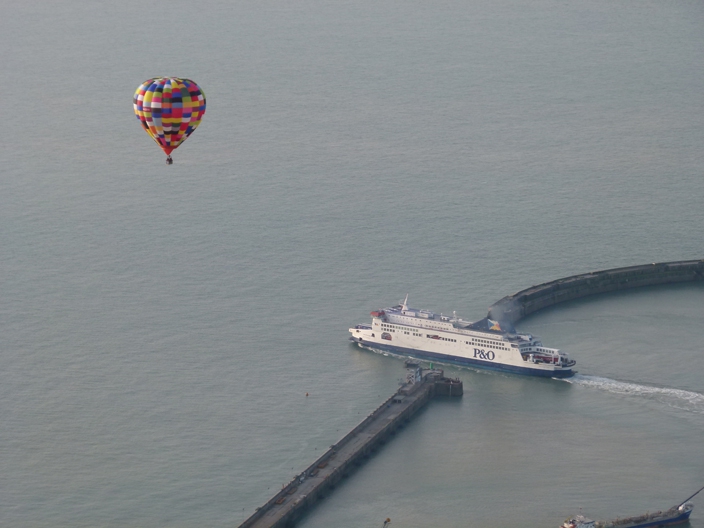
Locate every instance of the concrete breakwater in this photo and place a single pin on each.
(320, 478)
(514, 307)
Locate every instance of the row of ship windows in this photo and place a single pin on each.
(475, 341)
(389, 328)
(487, 343)
(438, 327)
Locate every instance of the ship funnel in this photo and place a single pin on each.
(404, 305)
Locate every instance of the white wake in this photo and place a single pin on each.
(677, 398)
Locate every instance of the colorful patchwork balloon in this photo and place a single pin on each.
(170, 109)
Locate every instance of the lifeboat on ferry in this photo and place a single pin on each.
(386, 336)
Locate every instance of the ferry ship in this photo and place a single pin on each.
(485, 344)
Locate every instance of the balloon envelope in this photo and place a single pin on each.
(170, 109)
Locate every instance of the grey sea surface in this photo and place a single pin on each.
(160, 325)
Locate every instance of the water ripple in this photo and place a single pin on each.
(676, 398)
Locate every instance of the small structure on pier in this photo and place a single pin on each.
(442, 386)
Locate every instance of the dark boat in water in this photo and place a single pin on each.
(675, 515)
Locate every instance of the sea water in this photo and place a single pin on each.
(161, 325)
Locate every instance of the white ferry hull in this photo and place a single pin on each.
(464, 361)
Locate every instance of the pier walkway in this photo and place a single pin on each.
(319, 479)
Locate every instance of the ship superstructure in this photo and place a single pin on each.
(486, 343)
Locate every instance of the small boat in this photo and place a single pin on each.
(675, 515)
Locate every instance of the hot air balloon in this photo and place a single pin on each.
(170, 109)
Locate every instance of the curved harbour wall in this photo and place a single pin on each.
(517, 306)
